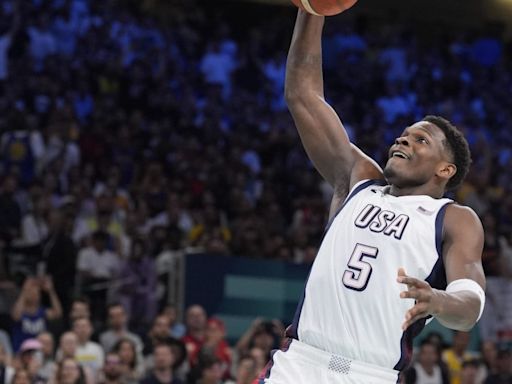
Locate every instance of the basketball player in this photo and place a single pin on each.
(395, 252)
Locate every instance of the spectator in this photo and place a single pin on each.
(216, 345)
(47, 370)
(98, 268)
(112, 369)
(132, 368)
(195, 322)
(28, 313)
(503, 373)
(138, 289)
(69, 372)
(88, 354)
(177, 329)
(426, 369)
(246, 372)
(162, 371)
(469, 372)
(118, 329)
(455, 356)
(6, 371)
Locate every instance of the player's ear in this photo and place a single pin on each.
(447, 170)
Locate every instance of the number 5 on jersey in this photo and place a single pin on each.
(358, 272)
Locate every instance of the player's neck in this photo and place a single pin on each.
(427, 190)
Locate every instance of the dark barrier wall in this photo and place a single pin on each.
(239, 290)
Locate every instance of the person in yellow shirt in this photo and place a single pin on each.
(456, 355)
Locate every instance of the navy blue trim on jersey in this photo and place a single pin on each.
(356, 190)
(266, 371)
(293, 329)
(437, 280)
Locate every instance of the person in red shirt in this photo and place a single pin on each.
(216, 345)
(195, 322)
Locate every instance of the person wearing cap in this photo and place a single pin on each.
(216, 345)
(30, 359)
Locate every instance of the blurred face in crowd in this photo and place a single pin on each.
(112, 367)
(428, 355)
(127, 352)
(215, 332)
(489, 351)
(161, 326)
(47, 343)
(246, 371)
(460, 341)
(21, 377)
(468, 373)
(69, 371)
(79, 309)
(117, 317)
(163, 357)
(259, 357)
(213, 373)
(82, 327)
(33, 292)
(196, 318)
(68, 344)
(171, 313)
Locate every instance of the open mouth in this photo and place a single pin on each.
(400, 155)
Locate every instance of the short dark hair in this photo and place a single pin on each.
(458, 146)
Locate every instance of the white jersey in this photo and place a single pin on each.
(352, 305)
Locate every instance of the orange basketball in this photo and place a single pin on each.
(324, 7)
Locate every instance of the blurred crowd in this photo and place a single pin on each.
(126, 141)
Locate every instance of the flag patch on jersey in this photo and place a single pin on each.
(425, 211)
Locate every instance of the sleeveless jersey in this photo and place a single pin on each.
(351, 304)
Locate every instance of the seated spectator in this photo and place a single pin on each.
(29, 359)
(21, 376)
(159, 332)
(138, 289)
(70, 372)
(177, 329)
(6, 371)
(469, 372)
(132, 368)
(457, 354)
(503, 373)
(29, 314)
(112, 370)
(210, 371)
(88, 353)
(118, 329)
(48, 367)
(426, 369)
(162, 372)
(246, 371)
(195, 323)
(215, 345)
(98, 268)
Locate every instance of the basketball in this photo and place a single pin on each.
(324, 7)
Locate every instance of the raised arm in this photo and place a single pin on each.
(460, 305)
(321, 131)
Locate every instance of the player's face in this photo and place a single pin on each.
(417, 156)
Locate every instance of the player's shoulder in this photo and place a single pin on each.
(461, 218)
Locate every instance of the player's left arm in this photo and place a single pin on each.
(459, 306)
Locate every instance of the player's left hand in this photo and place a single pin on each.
(422, 292)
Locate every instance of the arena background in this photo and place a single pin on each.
(123, 129)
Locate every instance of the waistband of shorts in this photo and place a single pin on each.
(341, 364)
